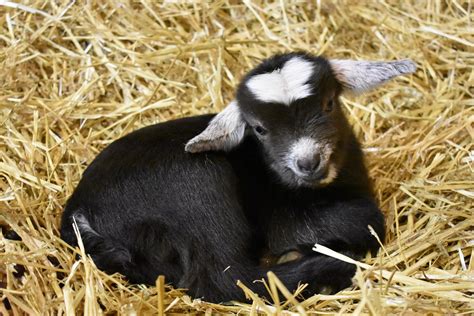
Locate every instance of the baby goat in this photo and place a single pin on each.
(278, 170)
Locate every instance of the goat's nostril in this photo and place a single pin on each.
(308, 165)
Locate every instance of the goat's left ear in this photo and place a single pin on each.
(225, 131)
(360, 76)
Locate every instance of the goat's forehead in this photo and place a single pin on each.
(296, 118)
(285, 84)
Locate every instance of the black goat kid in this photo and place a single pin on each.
(275, 172)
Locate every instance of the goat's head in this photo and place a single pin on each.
(290, 104)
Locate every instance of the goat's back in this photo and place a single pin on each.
(147, 176)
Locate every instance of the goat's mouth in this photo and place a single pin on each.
(311, 181)
(324, 175)
(317, 175)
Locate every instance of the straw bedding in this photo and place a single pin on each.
(76, 76)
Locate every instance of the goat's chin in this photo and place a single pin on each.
(314, 183)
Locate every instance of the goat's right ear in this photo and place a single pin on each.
(225, 131)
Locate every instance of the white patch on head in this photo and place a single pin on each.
(283, 85)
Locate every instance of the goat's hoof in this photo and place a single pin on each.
(289, 256)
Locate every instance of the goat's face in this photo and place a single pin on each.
(290, 104)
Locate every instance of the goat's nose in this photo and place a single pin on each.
(309, 164)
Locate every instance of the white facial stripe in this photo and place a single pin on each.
(307, 147)
(304, 147)
(284, 85)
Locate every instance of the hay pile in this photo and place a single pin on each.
(75, 77)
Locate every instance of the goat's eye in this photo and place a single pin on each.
(329, 106)
(260, 130)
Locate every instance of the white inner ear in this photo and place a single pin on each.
(360, 76)
(283, 85)
(225, 131)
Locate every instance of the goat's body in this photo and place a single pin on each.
(278, 170)
(145, 207)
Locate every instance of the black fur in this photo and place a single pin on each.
(205, 220)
